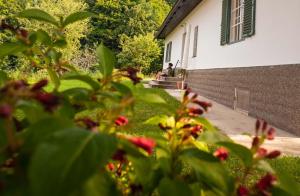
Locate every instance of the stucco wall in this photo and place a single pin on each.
(277, 38)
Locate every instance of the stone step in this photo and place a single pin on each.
(171, 79)
(153, 85)
(164, 82)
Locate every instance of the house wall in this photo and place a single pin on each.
(276, 41)
(267, 65)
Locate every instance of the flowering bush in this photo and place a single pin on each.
(72, 142)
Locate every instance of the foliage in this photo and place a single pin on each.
(140, 51)
(74, 141)
(122, 21)
(59, 8)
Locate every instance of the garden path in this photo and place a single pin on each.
(234, 124)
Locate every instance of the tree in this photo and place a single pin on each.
(63, 8)
(139, 51)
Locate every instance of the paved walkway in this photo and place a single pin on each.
(234, 124)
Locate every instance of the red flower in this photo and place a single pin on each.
(5, 111)
(262, 152)
(110, 166)
(271, 134)
(274, 154)
(242, 191)
(144, 143)
(121, 121)
(221, 153)
(39, 85)
(265, 182)
(195, 111)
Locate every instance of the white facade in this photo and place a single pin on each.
(276, 41)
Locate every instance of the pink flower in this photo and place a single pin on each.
(271, 134)
(5, 111)
(255, 142)
(257, 126)
(121, 121)
(265, 182)
(144, 143)
(203, 104)
(242, 191)
(221, 153)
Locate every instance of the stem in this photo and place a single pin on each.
(12, 142)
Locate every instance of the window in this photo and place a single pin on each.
(168, 52)
(238, 20)
(195, 41)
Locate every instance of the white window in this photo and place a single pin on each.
(168, 52)
(237, 20)
(195, 42)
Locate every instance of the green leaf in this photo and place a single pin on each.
(61, 165)
(209, 171)
(43, 37)
(106, 59)
(77, 94)
(84, 78)
(3, 77)
(149, 98)
(38, 132)
(122, 88)
(241, 151)
(173, 187)
(288, 184)
(208, 126)
(155, 120)
(213, 137)
(11, 48)
(100, 184)
(32, 110)
(77, 16)
(39, 15)
(61, 43)
(265, 166)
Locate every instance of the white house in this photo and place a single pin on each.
(244, 54)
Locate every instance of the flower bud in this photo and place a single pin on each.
(257, 126)
(264, 127)
(242, 191)
(274, 154)
(110, 166)
(271, 134)
(121, 121)
(195, 112)
(265, 182)
(5, 111)
(255, 142)
(47, 99)
(145, 143)
(261, 152)
(203, 104)
(221, 153)
(39, 85)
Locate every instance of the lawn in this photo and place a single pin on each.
(142, 112)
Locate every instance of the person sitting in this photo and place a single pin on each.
(167, 73)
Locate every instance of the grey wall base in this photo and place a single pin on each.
(274, 91)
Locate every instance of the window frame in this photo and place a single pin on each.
(168, 52)
(195, 45)
(238, 25)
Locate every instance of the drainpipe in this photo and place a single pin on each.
(187, 47)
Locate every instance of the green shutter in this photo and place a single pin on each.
(249, 18)
(225, 25)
